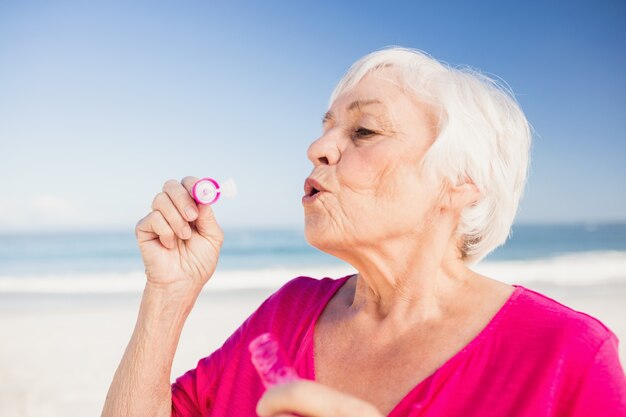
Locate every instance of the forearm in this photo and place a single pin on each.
(141, 385)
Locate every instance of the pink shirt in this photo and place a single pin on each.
(536, 357)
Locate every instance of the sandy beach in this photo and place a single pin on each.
(59, 352)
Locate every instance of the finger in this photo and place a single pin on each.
(188, 183)
(312, 399)
(181, 198)
(206, 224)
(164, 204)
(154, 225)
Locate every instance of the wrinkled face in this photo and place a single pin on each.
(368, 159)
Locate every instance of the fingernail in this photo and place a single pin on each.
(190, 213)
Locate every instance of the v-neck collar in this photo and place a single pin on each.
(307, 350)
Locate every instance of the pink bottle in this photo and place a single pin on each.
(270, 362)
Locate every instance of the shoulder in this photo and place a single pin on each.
(538, 316)
(305, 291)
(287, 310)
(303, 294)
(539, 305)
(571, 348)
(305, 283)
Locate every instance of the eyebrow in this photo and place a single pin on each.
(356, 104)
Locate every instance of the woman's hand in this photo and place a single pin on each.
(179, 240)
(311, 399)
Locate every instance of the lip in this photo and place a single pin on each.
(309, 185)
(310, 199)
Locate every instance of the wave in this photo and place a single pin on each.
(577, 268)
(134, 281)
(583, 268)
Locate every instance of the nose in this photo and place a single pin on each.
(324, 151)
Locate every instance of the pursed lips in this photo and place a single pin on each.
(312, 191)
(312, 187)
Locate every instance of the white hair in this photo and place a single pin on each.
(483, 136)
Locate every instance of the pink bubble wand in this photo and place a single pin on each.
(208, 191)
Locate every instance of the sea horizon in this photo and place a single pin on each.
(96, 261)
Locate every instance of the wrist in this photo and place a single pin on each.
(169, 299)
(175, 292)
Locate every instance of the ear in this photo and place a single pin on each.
(462, 195)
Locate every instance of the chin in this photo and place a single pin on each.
(322, 235)
(318, 232)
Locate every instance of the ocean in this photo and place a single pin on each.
(110, 262)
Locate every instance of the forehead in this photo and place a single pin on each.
(382, 94)
(377, 91)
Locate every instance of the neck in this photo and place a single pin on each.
(408, 280)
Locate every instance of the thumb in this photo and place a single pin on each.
(206, 224)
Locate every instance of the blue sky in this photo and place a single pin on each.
(101, 103)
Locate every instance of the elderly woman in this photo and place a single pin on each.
(416, 176)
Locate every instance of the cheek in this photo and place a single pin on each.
(361, 170)
(395, 179)
(399, 193)
(381, 180)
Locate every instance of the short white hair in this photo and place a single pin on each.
(482, 135)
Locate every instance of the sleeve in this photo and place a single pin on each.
(602, 390)
(194, 392)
